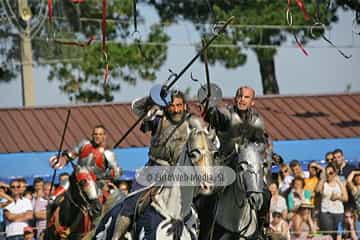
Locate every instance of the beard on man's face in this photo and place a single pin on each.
(175, 117)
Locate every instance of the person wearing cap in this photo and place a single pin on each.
(302, 222)
(279, 228)
(29, 233)
(303, 226)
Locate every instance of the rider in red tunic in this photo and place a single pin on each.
(95, 163)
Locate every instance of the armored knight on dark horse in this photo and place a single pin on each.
(241, 208)
(77, 203)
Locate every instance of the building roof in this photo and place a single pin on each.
(39, 129)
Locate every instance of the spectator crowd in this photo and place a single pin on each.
(322, 202)
(23, 208)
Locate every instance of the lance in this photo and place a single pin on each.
(165, 88)
(207, 75)
(60, 147)
(223, 27)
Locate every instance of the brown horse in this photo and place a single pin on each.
(68, 215)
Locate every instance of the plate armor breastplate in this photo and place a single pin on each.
(243, 129)
(92, 158)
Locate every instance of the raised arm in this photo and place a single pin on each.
(219, 118)
(7, 198)
(350, 183)
(144, 105)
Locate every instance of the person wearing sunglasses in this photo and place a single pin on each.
(349, 228)
(329, 157)
(297, 170)
(333, 195)
(285, 179)
(17, 213)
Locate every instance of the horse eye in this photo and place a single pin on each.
(194, 154)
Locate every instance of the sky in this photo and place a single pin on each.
(323, 71)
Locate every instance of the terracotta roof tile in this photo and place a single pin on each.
(286, 118)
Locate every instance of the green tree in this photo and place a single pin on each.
(80, 70)
(241, 35)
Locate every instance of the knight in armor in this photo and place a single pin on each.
(169, 127)
(241, 131)
(95, 163)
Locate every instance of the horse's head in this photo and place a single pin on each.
(201, 149)
(250, 159)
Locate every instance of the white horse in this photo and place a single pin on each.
(170, 215)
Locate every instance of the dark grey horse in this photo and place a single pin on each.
(235, 218)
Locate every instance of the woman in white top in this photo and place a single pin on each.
(277, 202)
(333, 194)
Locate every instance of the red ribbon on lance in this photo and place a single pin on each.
(301, 5)
(289, 20)
(103, 31)
(103, 25)
(300, 45)
(50, 10)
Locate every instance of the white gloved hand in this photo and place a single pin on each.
(57, 163)
(153, 112)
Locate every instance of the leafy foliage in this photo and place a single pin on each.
(80, 70)
(244, 32)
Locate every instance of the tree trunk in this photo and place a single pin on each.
(267, 70)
